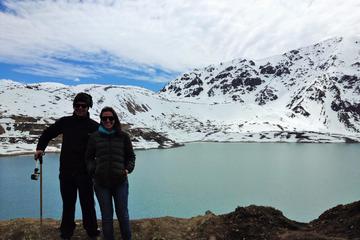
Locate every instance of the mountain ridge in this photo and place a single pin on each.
(293, 80)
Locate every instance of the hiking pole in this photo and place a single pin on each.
(41, 197)
(35, 176)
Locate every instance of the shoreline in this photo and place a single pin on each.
(182, 144)
(24, 154)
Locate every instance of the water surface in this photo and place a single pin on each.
(301, 180)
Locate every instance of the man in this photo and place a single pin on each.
(73, 176)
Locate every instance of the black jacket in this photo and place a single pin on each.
(108, 156)
(75, 134)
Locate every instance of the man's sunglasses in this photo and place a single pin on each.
(80, 105)
(110, 118)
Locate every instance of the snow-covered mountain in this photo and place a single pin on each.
(311, 94)
(319, 85)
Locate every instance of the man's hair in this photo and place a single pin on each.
(83, 97)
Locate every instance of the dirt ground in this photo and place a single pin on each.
(244, 223)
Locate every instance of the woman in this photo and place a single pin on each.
(109, 159)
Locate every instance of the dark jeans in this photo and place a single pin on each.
(105, 197)
(69, 186)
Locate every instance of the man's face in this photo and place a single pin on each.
(81, 109)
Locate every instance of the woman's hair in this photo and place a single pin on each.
(117, 125)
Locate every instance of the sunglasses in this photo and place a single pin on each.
(80, 105)
(110, 118)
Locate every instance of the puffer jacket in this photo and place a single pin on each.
(108, 156)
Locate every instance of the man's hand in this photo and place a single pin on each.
(38, 154)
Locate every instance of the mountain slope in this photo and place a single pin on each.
(319, 84)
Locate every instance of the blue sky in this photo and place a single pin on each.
(150, 42)
(34, 74)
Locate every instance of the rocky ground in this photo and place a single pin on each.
(245, 223)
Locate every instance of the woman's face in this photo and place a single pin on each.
(108, 120)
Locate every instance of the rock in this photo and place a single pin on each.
(195, 81)
(266, 95)
(252, 81)
(150, 135)
(195, 92)
(301, 110)
(208, 212)
(133, 107)
(267, 69)
(2, 130)
(340, 221)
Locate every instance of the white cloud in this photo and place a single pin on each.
(85, 38)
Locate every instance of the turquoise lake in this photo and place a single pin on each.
(301, 180)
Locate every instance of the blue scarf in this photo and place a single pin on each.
(105, 131)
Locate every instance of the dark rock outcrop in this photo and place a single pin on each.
(133, 107)
(342, 221)
(150, 135)
(266, 95)
(2, 130)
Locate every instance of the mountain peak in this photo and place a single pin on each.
(243, 79)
